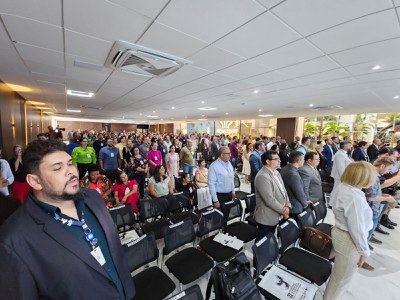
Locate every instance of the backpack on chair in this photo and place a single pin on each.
(232, 280)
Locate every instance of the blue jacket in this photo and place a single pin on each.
(255, 163)
(328, 155)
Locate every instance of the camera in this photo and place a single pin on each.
(60, 129)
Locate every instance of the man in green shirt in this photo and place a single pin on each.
(187, 157)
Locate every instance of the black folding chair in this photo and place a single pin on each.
(192, 293)
(243, 231)
(188, 264)
(307, 219)
(152, 282)
(153, 215)
(239, 194)
(180, 208)
(320, 211)
(210, 221)
(250, 208)
(123, 217)
(306, 264)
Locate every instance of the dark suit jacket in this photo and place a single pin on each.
(372, 152)
(359, 155)
(295, 188)
(328, 155)
(255, 164)
(39, 259)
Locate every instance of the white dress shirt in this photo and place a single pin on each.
(340, 161)
(352, 214)
(6, 173)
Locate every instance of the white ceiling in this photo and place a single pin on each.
(294, 52)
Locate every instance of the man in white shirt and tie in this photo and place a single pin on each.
(340, 161)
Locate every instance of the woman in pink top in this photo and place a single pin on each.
(154, 157)
(126, 191)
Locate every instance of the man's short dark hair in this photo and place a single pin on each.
(295, 156)
(305, 139)
(37, 150)
(386, 150)
(267, 155)
(362, 144)
(310, 155)
(334, 138)
(93, 168)
(257, 145)
(343, 144)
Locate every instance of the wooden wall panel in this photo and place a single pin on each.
(286, 128)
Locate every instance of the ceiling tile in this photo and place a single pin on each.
(51, 87)
(367, 53)
(215, 79)
(209, 20)
(267, 78)
(379, 76)
(307, 19)
(183, 75)
(369, 29)
(46, 11)
(148, 8)
(290, 54)
(34, 33)
(40, 55)
(366, 68)
(249, 40)
(213, 58)
(324, 76)
(270, 3)
(335, 83)
(244, 69)
(117, 23)
(309, 67)
(87, 46)
(171, 41)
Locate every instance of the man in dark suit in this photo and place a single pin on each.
(360, 153)
(62, 243)
(328, 152)
(373, 150)
(255, 162)
(214, 148)
(294, 184)
(311, 178)
(335, 144)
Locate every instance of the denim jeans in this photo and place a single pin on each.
(375, 218)
(188, 169)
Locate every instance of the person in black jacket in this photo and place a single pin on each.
(62, 243)
(373, 150)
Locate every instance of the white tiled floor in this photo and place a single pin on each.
(383, 283)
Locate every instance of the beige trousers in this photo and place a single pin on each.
(345, 264)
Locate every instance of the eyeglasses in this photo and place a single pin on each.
(278, 159)
(226, 153)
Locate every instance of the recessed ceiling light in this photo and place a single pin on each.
(207, 108)
(80, 93)
(264, 116)
(74, 110)
(226, 113)
(256, 91)
(202, 119)
(202, 102)
(140, 114)
(311, 105)
(154, 111)
(203, 116)
(173, 107)
(150, 116)
(396, 97)
(260, 109)
(377, 67)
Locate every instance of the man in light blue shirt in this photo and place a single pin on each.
(110, 160)
(221, 178)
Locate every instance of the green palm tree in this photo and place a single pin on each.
(332, 128)
(361, 126)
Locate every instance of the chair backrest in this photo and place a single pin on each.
(153, 208)
(307, 218)
(320, 211)
(265, 252)
(250, 203)
(123, 215)
(210, 220)
(178, 234)
(289, 234)
(232, 209)
(192, 293)
(141, 251)
(236, 181)
(178, 201)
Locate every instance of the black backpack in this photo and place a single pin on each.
(232, 280)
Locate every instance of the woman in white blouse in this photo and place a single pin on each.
(353, 220)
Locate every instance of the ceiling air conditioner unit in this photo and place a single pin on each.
(142, 61)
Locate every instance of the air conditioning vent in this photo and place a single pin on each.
(325, 107)
(142, 61)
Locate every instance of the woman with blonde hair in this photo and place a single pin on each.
(353, 221)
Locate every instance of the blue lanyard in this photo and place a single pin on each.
(86, 230)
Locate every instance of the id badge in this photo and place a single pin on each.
(190, 190)
(98, 255)
(155, 158)
(88, 155)
(111, 154)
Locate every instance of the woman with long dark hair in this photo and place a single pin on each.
(160, 184)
